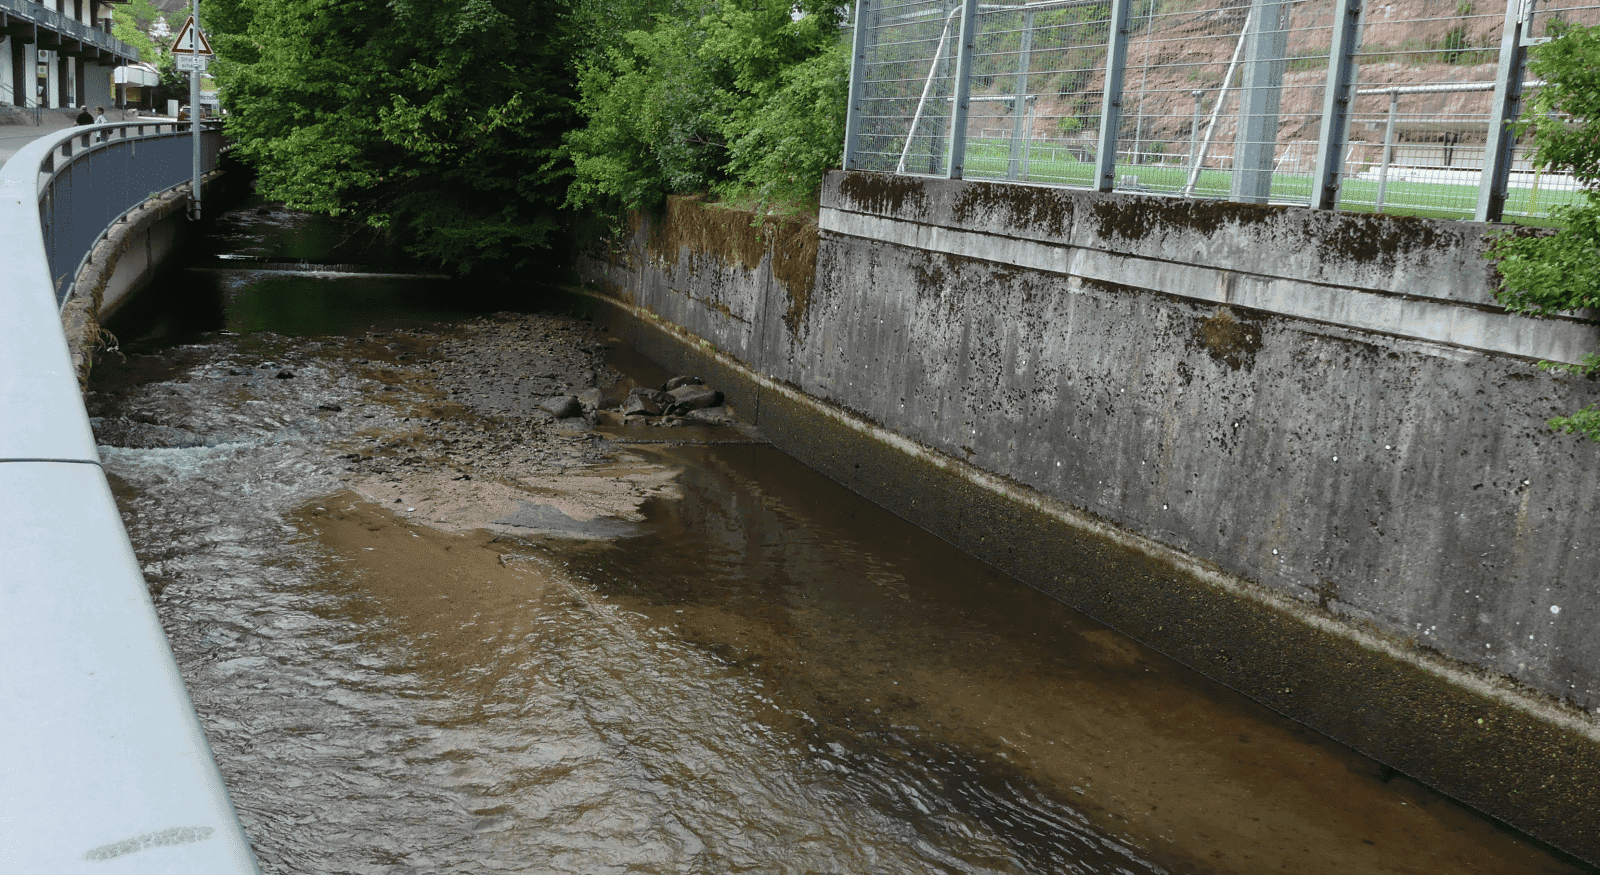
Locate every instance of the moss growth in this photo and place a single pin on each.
(884, 193)
(735, 236)
(1382, 239)
(1134, 218)
(794, 265)
(726, 234)
(1229, 339)
(1024, 206)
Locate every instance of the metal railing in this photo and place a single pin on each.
(117, 767)
(1326, 103)
(89, 177)
(32, 12)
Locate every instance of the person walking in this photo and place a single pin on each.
(84, 118)
(100, 119)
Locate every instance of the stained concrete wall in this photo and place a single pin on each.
(1321, 418)
(123, 263)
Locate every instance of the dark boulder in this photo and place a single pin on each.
(562, 406)
(694, 397)
(640, 405)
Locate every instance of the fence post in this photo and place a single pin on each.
(858, 70)
(963, 90)
(1194, 133)
(1388, 149)
(1018, 131)
(1503, 111)
(1256, 141)
(1111, 103)
(1336, 105)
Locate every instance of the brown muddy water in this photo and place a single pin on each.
(429, 630)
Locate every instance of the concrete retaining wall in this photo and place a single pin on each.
(123, 263)
(1320, 419)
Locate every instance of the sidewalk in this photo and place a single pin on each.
(14, 137)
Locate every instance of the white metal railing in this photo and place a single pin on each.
(106, 760)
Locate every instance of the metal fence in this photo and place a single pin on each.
(87, 178)
(1399, 107)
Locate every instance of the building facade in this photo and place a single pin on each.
(59, 53)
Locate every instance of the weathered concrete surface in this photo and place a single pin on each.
(1383, 527)
(123, 263)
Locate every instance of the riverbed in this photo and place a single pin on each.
(429, 628)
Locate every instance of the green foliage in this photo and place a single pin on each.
(652, 108)
(1561, 271)
(735, 96)
(783, 145)
(1455, 45)
(439, 121)
(1553, 273)
(143, 26)
(134, 24)
(1585, 422)
(465, 128)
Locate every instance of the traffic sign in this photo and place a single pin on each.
(192, 63)
(191, 40)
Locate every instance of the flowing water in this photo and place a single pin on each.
(733, 666)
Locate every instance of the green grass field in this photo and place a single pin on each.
(1057, 165)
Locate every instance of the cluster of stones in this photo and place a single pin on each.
(679, 397)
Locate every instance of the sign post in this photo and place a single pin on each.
(191, 50)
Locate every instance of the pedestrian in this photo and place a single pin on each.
(84, 118)
(100, 119)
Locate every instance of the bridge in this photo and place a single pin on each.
(105, 756)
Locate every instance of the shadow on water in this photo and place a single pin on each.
(265, 268)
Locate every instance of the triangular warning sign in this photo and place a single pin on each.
(188, 36)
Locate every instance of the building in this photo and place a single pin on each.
(59, 53)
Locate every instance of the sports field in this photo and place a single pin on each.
(988, 159)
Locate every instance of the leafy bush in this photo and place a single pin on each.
(436, 120)
(1545, 274)
(737, 97)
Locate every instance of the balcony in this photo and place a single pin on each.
(29, 21)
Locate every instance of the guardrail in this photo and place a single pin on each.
(91, 176)
(106, 758)
(49, 18)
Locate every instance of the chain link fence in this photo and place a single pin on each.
(1399, 107)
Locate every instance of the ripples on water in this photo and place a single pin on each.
(555, 733)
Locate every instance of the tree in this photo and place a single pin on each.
(740, 97)
(438, 121)
(1543, 274)
(141, 25)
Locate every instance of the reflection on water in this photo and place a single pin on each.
(465, 719)
(326, 277)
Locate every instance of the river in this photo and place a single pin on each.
(428, 629)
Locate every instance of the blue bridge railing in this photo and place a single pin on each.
(89, 177)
